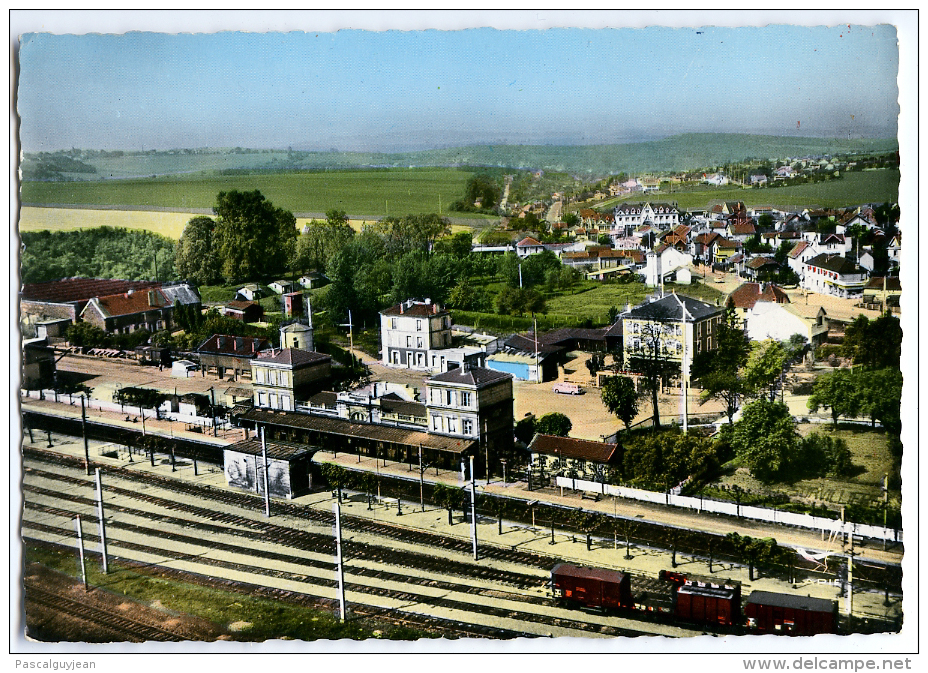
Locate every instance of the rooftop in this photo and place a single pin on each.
(669, 308)
(568, 447)
(81, 289)
(473, 376)
(276, 450)
(294, 357)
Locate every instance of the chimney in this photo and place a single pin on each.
(402, 305)
(254, 345)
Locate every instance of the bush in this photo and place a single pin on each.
(826, 456)
(827, 351)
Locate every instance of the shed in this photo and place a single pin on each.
(288, 467)
(183, 368)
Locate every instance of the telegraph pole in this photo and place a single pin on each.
(473, 507)
(421, 480)
(339, 562)
(102, 522)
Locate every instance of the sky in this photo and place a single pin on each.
(372, 89)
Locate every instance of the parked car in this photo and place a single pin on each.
(567, 388)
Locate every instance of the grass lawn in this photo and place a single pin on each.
(269, 618)
(372, 193)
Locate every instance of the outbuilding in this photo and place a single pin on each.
(288, 467)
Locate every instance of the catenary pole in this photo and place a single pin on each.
(473, 507)
(84, 433)
(267, 491)
(339, 562)
(102, 522)
(80, 548)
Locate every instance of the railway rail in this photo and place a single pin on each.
(116, 624)
(456, 596)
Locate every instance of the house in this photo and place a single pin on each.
(528, 246)
(473, 403)
(663, 264)
(627, 217)
(410, 329)
(281, 286)
(883, 291)
(759, 266)
(650, 184)
(716, 179)
(796, 259)
(65, 299)
(297, 335)
(125, 313)
(747, 294)
(280, 376)
(758, 180)
(721, 250)
(293, 304)
(580, 458)
(246, 311)
(250, 292)
(741, 230)
(312, 280)
(834, 275)
(700, 246)
(666, 325)
(224, 353)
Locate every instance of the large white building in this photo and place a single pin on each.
(409, 330)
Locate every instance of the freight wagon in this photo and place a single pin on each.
(768, 612)
(590, 587)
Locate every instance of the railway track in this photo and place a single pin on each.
(120, 626)
(256, 544)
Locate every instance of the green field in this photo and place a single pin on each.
(876, 186)
(373, 193)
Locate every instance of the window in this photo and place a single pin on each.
(418, 342)
(450, 400)
(259, 373)
(393, 323)
(418, 325)
(467, 427)
(408, 341)
(262, 400)
(436, 424)
(452, 424)
(465, 399)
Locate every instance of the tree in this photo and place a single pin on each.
(766, 441)
(874, 344)
(335, 476)
(721, 372)
(195, 257)
(447, 497)
(86, 335)
(754, 551)
(649, 357)
(525, 429)
(836, 391)
(482, 188)
(554, 423)
(880, 396)
(765, 364)
(518, 301)
(252, 238)
(620, 398)
(826, 456)
(322, 241)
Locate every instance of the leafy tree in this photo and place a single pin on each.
(467, 297)
(836, 391)
(875, 344)
(766, 441)
(483, 188)
(721, 372)
(651, 360)
(782, 252)
(620, 398)
(196, 258)
(662, 460)
(571, 219)
(86, 335)
(458, 245)
(880, 396)
(252, 237)
(335, 475)
(525, 429)
(765, 222)
(826, 456)
(322, 241)
(518, 301)
(554, 423)
(417, 274)
(412, 233)
(447, 497)
(754, 551)
(765, 364)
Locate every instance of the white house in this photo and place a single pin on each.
(410, 329)
(770, 320)
(834, 275)
(528, 246)
(665, 262)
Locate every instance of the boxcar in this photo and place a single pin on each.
(768, 612)
(591, 587)
(703, 599)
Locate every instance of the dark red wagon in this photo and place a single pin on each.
(704, 600)
(790, 614)
(591, 587)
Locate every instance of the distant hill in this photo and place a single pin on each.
(675, 153)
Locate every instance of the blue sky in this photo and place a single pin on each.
(394, 90)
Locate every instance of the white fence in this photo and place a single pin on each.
(128, 410)
(734, 509)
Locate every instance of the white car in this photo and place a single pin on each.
(567, 388)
